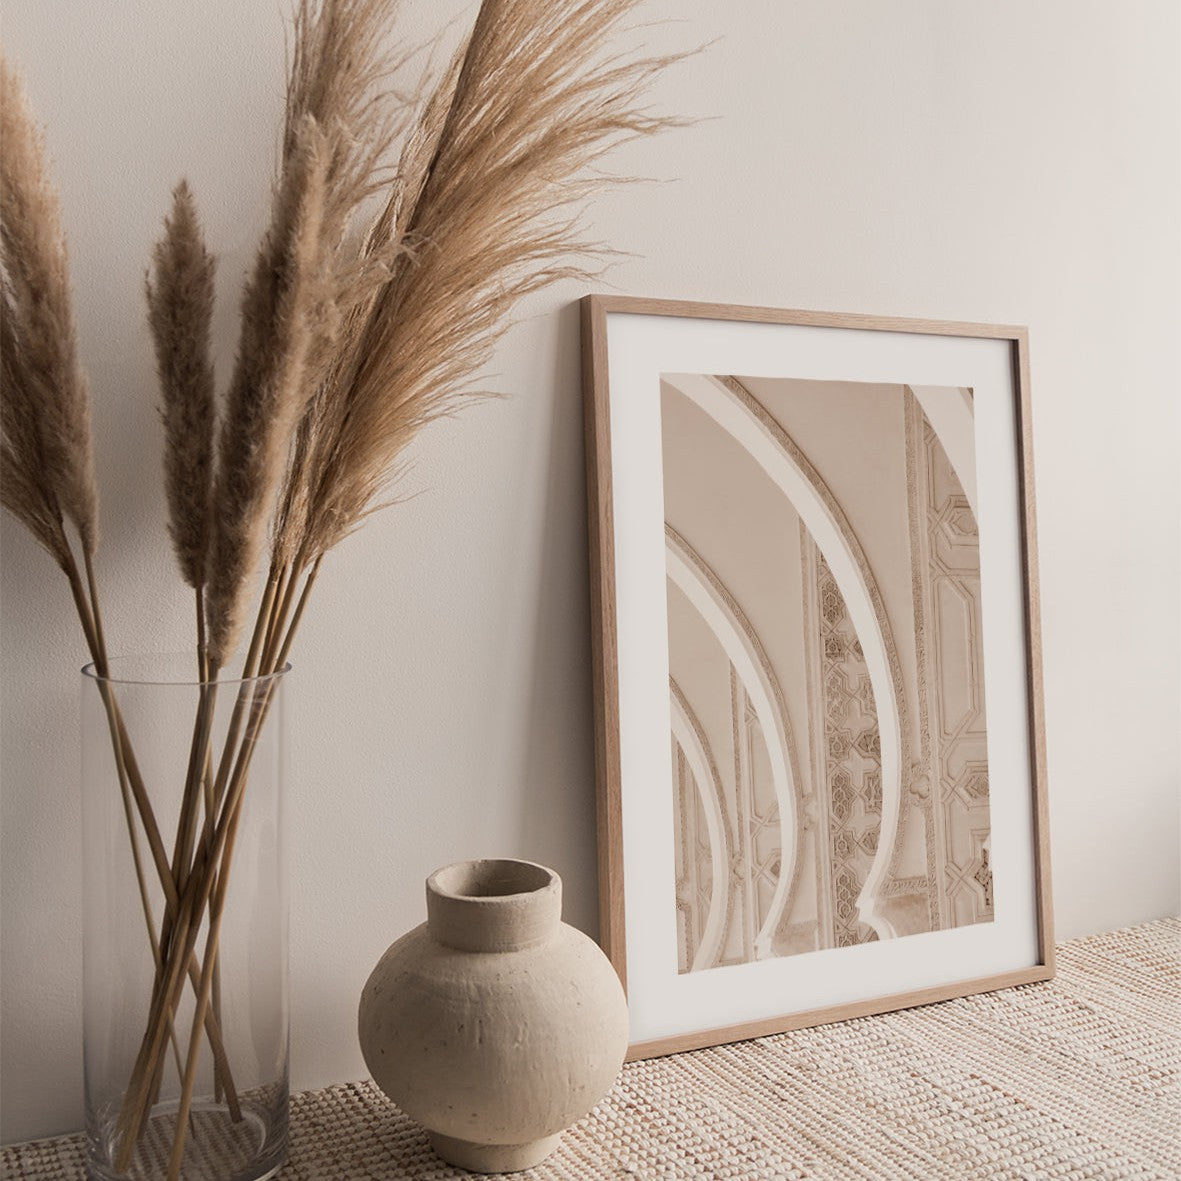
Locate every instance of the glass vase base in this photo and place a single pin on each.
(217, 1147)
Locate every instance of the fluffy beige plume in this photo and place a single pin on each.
(180, 312)
(280, 309)
(532, 102)
(23, 490)
(46, 408)
(340, 76)
(382, 245)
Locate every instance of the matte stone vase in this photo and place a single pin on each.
(494, 1024)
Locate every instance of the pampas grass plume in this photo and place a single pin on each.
(48, 469)
(268, 390)
(180, 310)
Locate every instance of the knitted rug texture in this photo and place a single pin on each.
(1079, 1077)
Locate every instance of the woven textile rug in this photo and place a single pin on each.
(1076, 1078)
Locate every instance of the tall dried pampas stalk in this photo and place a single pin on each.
(340, 76)
(338, 90)
(24, 490)
(282, 310)
(180, 311)
(48, 470)
(500, 153)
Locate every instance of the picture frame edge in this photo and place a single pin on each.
(834, 1014)
(595, 308)
(703, 310)
(604, 652)
(1033, 650)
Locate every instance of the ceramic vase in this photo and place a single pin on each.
(494, 1024)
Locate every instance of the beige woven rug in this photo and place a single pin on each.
(1076, 1078)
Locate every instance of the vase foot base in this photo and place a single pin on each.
(493, 1158)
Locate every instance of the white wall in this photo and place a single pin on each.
(1014, 161)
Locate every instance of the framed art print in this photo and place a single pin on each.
(821, 776)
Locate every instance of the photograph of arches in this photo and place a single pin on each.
(830, 769)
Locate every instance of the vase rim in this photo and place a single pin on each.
(142, 665)
(489, 879)
(493, 905)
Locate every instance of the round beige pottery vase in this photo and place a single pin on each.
(494, 1024)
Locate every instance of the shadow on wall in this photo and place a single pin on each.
(557, 772)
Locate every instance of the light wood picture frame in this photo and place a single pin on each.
(818, 704)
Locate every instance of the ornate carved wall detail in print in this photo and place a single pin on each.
(945, 559)
(982, 876)
(814, 702)
(883, 865)
(923, 787)
(900, 886)
(851, 755)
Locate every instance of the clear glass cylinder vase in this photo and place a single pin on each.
(185, 923)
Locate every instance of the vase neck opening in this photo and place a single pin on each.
(493, 905)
